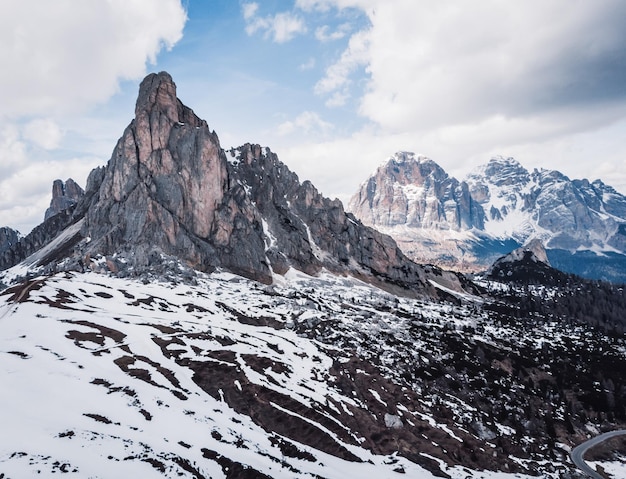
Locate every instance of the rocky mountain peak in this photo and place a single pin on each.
(501, 171)
(64, 195)
(170, 194)
(408, 168)
(533, 251)
(158, 91)
(157, 97)
(414, 191)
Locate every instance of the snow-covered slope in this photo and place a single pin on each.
(106, 378)
(547, 205)
(313, 377)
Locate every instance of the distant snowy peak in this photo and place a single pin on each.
(503, 187)
(401, 157)
(467, 224)
(565, 214)
(413, 190)
(501, 171)
(409, 169)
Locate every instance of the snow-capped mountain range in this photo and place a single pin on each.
(201, 313)
(467, 224)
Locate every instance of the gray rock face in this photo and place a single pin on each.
(8, 238)
(64, 195)
(415, 192)
(39, 237)
(309, 232)
(457, 225)
(169, 190)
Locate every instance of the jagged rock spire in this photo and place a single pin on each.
(169, 190)
(64, 195)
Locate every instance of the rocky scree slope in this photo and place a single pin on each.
(499, 206)
(316, 377)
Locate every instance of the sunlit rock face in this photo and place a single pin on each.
(416, 192)
(466, 225)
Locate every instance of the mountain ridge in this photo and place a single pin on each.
(170, 189)
(511, 205)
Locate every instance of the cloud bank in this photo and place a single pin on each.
(67, 55)
(460, 82)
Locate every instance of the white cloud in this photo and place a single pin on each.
(356, 55)
(281, 27)
(44, 133)
(437, 63)
(63, 56)
(337, 99)
(12, 150)
(249, 10)
(307, 122)
(285, 26)
(315, 5)
(323, 33)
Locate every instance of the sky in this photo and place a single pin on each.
(334, 87)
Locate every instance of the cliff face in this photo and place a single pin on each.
(170, 190)
(416, 192)
(64, 196)
(166, 189)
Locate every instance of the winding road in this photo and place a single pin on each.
(579, 451)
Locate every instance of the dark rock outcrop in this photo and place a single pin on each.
(527, 265)
(64, 195)
(8, 238)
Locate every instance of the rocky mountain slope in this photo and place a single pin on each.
(202, 313)
(315, 377)
(499, 206)
(170, 189)
(8, 238)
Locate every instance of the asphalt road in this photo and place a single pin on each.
(579, 451)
